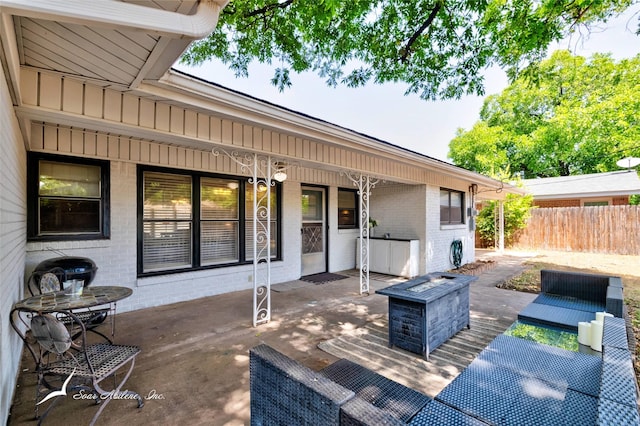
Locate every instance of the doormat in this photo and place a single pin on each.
(323, 277)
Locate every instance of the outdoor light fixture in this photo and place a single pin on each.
(280, 174)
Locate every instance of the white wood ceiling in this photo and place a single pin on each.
(104, 54)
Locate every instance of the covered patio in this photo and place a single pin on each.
(194, 364)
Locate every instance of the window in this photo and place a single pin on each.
(262, 211)
(68, 198)
(195, 221)
(347, 209)
(595, 203)
(451, 207)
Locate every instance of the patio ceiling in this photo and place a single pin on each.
(111, 43)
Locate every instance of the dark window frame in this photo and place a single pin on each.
(449, 208)
(196, 220)
(33, 198)
(356, 216)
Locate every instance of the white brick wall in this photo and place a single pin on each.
(116, 258)
(413, 212)
(400, 210)
(439, 238)
(342, 255)
(12, 242)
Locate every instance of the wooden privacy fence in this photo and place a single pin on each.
(598, 229)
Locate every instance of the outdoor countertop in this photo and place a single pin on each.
(392, 239)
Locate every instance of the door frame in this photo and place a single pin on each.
(326, 222)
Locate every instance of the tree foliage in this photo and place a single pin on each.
(516, 209)
(437, 47)
(580, 116)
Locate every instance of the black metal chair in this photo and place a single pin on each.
(66, 365)
(42, 282)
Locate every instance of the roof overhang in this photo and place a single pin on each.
(191, 91)
(100, 42)
(115, 42)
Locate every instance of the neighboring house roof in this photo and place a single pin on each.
(610, 184)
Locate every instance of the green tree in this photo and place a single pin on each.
(437, 47)
(580, 116)
(517, 210)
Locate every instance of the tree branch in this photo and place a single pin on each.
(406, 50)
(268, 8)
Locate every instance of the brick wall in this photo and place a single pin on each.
(439, 237)
(615, 201)
(556, 203)
(12, 242)
(116, 257)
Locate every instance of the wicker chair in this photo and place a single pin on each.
(67, 365)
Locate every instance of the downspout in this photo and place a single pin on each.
(116, 14)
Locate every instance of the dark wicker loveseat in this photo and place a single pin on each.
(567, 298)
(284, 392)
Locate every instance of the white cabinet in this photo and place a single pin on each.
(393, 257)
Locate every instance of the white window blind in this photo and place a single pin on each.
(219, 205)
(192, 220)
(166, 242)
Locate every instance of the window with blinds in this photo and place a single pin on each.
(194, 221)
(168, 221)
(68, 198)
(219, 221)
(262, 212)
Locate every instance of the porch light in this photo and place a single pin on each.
(280, 174)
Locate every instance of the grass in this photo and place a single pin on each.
(529, 281)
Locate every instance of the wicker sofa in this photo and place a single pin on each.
(567, 298)
(511, 382)
(284, 392)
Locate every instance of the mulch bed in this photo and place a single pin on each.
(475, 268)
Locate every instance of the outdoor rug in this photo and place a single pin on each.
(323, 277)
(369, 346)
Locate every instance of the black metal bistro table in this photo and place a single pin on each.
(426, 311)
(60, 301)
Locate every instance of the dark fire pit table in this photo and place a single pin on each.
(426, 311)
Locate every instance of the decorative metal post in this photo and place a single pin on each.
(501, 222)
(365, 184)
(264, 173)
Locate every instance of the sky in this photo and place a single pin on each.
(384, 112)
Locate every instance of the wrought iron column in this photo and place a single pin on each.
(501, 222)
(365, 184)
(262, 169)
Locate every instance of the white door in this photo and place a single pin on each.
(314, 241)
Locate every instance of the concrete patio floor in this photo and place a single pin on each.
(194, 364)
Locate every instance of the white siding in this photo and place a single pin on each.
(12, 243)
(53, 92)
